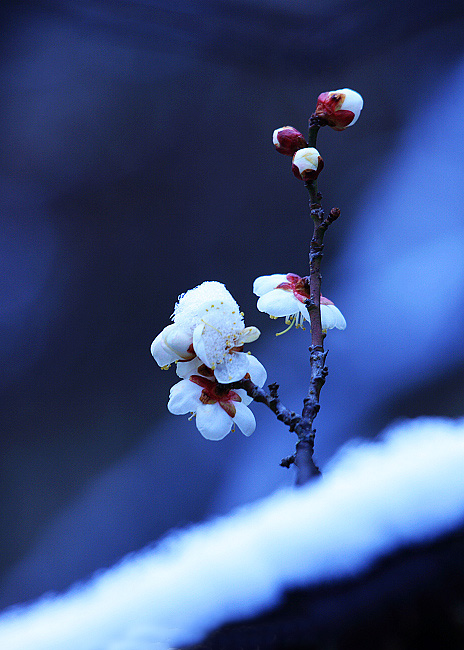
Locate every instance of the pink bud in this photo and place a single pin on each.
(339, 108)
(307, 164)
(288, 140)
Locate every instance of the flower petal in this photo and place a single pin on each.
(170, 345)
(304, 310)
(332, 317)
(266, 283)
(162, 354)
(186, 368)
(257, 371)
(249, 334)
(246, 399)
(184, 397)
(353, 102)
(278, 302)
(199, 344)
(233, 368)
(244, 419)
(178, 340)
(212, 421)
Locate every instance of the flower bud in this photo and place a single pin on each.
(339, 108)
(307, 164)
(288, 140)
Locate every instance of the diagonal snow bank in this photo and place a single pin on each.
(374, 497)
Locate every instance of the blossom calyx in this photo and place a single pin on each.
(288, 140)
(307, 164)
(339, 108)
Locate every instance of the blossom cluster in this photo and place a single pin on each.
(206, 342)
(337, 109)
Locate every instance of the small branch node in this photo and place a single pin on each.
(315, 120)
(287, 461)
(310, 304)
(273, 390)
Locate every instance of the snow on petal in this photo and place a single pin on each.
(212, 421)
(244, 419)
(192, 305)
(278, 302)
(216, 339)
(266, 283)
(184, 397)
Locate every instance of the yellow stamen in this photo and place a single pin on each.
(292, 320)
(191, 417)
(214, 328)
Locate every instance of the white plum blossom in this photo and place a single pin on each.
(208, 325)
(285, 295)
(339, 108)
(216, 407)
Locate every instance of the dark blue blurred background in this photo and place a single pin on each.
(137, 162)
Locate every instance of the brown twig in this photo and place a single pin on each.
(303, 459)
(302, 424)
(271, 400)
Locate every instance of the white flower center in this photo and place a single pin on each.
(222, 331)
